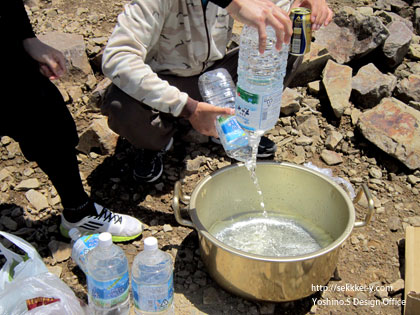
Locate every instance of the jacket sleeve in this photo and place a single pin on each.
(125, 54)
(221, 3)
(19, 20)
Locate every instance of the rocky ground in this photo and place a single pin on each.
(373, 255)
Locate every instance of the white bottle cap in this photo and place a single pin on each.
(105, 239)
(150, 243)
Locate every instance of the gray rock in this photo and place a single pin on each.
(337, 80)
(308, 124)
(290, 102)
(412, 179)
(38, 200)
(98, 93)
(98, 135)
(9, 223)
(27, 184)
(73, 47)
(375, 172)
(314, 87)
(192, 166)
(394, 223)
(4, 173)
(409, 89)
(397, 44)
(60, 251)
(304, 140)
(351, 35)
(167, 228)
(389, 17)
(413, 221)
(333, 139)
(393, 127)
(312, 65)
(370, 85)
(331, 157)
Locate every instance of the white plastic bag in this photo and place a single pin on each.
(26, 286)
(338, 180)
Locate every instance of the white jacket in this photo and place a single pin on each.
(164, 36)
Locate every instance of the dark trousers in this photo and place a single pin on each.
(33, 112)
(150, 129)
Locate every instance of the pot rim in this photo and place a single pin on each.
(334, 245)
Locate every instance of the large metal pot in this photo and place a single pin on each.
(230, 191)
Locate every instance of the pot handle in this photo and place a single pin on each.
(371, 205)
(180, 196)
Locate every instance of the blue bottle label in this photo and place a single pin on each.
(87, 243)
(108, 293)
(231, 128)
(153, 298)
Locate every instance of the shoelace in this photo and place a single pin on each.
(107, 215)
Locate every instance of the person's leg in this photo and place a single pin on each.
(142, 126)
(148, 130)
(40, 121)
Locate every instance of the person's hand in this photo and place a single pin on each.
(321, 14)
(52, 62)
(259, 14)
(204, 117)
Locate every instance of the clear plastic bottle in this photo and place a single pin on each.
(260, 81)
(152, 280)
(217, 88)
(107, 278)
(81, 245)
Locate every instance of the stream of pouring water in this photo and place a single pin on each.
(251, 165)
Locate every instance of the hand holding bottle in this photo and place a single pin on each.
(260, 14)
(204, 117)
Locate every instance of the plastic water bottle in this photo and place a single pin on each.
(217, 88)
(152, 280)
(107, 278)
(260, 81)
(81, 245)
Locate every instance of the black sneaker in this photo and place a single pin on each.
(266, 148)
(148, 165)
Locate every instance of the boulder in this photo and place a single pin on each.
(337, 80)
(394, 128)
(351, 35)
(370, 85)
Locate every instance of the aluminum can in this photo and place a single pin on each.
(300, 42)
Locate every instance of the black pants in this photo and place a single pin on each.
(33, 112)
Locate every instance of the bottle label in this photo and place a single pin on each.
(257, 111)
(107, 294)
(153, 298)
(82, 246)
(230, 128)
